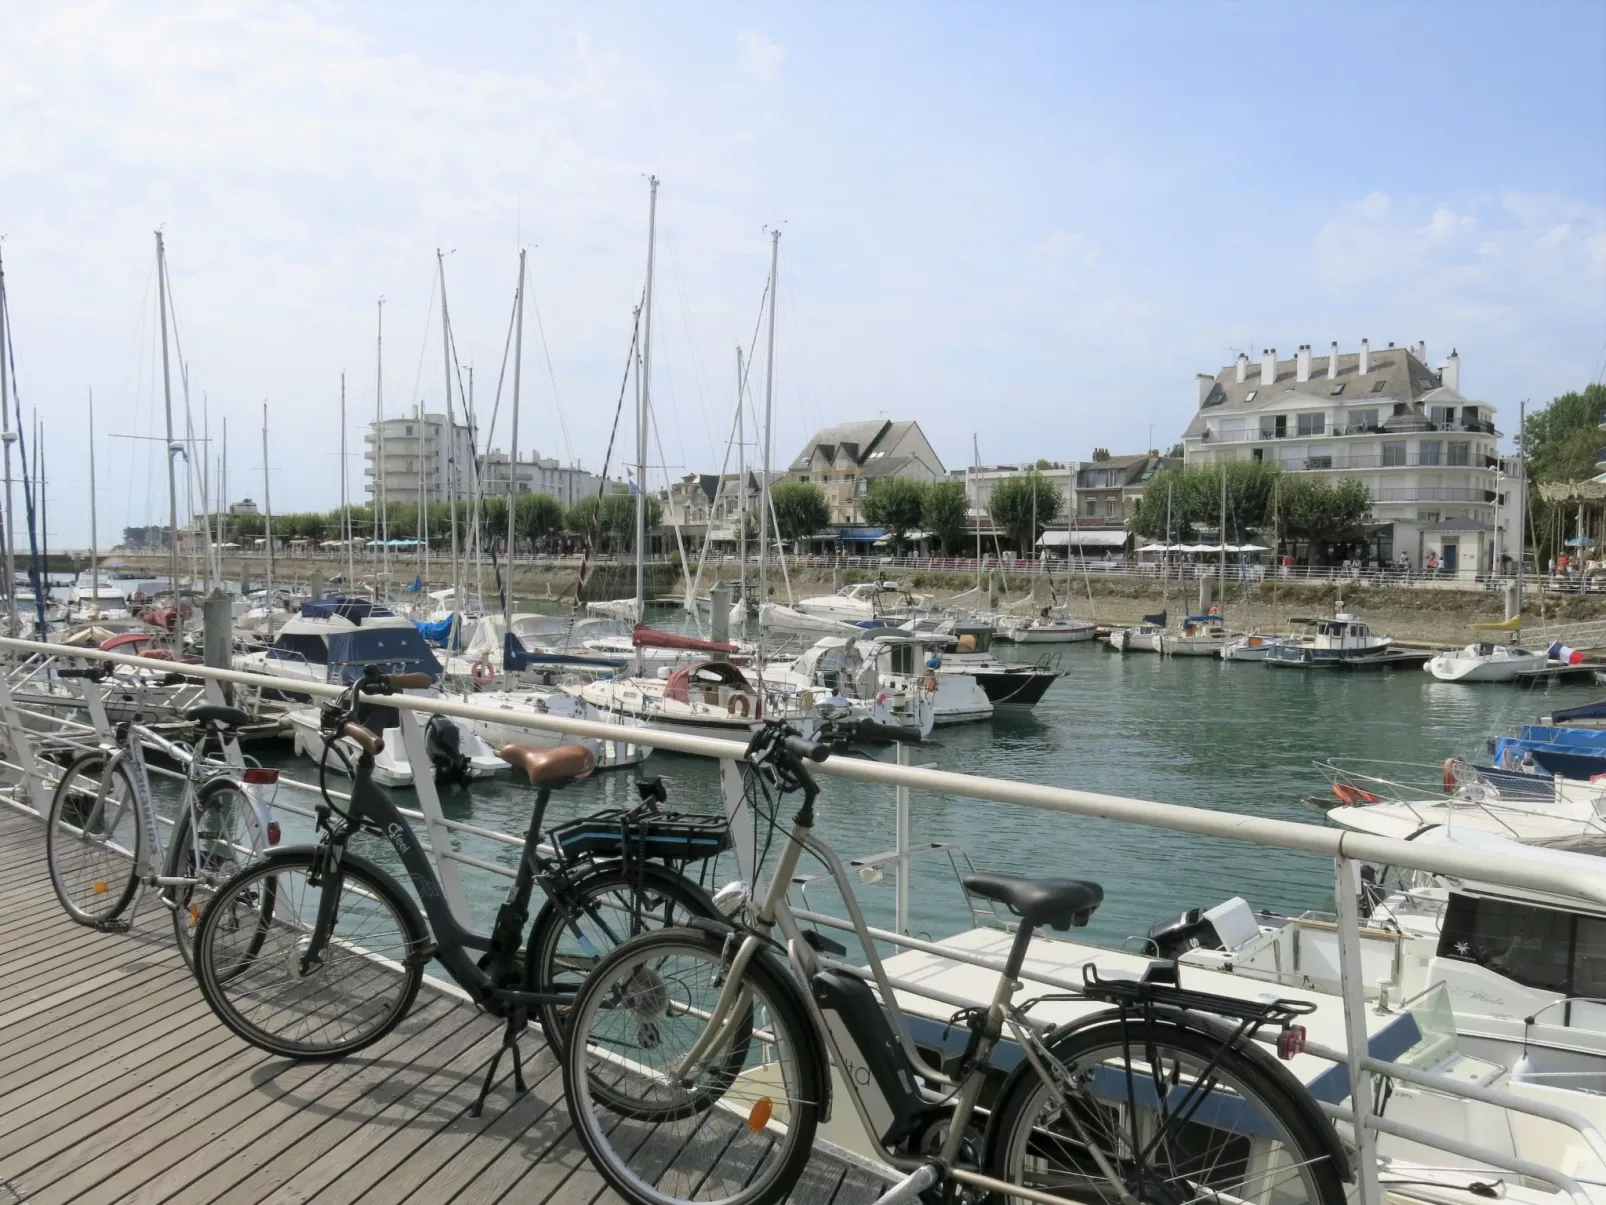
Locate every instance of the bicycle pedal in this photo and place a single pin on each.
(113, 926)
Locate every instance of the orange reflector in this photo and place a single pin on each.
(195, 914)
(759, 1117)
(101, 888)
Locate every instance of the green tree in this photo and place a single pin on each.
(800, 509)
(894, 504)
(1012, 508)
(580, 518)
(1310, 509)
(616, 519)
(1561, 440)
(1193, 499)
(945, 513)
(538, 516)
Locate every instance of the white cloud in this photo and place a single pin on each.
(760, 57)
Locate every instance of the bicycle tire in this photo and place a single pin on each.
(742, 1130)
(553, 964)
(1258, 1112)
(254, 930)
(222, 801)
(94, 881)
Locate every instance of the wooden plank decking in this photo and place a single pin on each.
(118, 1085)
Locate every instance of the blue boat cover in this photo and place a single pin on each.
(1587, 711)
(436, 631)
(354, 610)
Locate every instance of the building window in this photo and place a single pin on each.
(409, 428)
(1092, 507)
(1393, 453)
(1312, 424)
(1338, 389)
(1430, 451)
(804, 478)
(1440, 416)
(1364, 420)
(1258, 453)
(1460, 452)
(1112, 509)
(1427, 516)
(1379, 386)
(1273, 426)
(1250, 396)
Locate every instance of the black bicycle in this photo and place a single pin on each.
(316, 951)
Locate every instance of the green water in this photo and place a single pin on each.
(1236, 737)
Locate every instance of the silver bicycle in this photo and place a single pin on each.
(103, 841)
(700, 1062)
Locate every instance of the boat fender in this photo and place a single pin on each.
(738, 706)
(928, 682)
(482, 672)
(1449, 776)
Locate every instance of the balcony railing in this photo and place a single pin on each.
(1404, 460)
(1342, 430)
(1434, 493)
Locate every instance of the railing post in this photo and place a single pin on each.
(429, 802)
(734, 792)
(21, 746)
(901, 906)
(1346, 896)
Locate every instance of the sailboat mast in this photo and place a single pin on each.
(741, 476)
(8, 437)
(382, 515)
(1522, 493)
(644, 405)
(975, 459)
(345, 494)
(44, 516)
(267, 521)
(167, 398)
(423, 501)
(513, 447)
(94, 515)
(1221, 586)
(477, 491)
(451, 432)
(769, 404)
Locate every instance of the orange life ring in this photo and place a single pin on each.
(482, 672)
(1449, 776)
(928, 682)
(739, 705)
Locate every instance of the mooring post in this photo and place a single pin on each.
(719, 623)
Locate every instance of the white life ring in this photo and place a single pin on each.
(482, 672)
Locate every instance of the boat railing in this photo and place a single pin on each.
(31, 774)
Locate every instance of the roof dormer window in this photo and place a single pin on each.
(1250, 396)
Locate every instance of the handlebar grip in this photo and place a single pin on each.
(902, 734)
(415, 681)
(93, 673)
(805, 750)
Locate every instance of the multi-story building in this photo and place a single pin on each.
(844, 460)
(539, 475)
(420, 458)
(244, 507)
(1428, 454)
(1108, 488)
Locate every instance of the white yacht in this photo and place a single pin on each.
(911, 661)
(836, 679)
(98, 604)
(1250, 646)
(861, 600)
(1201, 636)
(1045, 628)
(1486, 662)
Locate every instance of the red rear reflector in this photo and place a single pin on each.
(273, 832)
(1291, 1042)
(260, 776)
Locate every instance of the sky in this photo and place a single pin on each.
(1025, 225)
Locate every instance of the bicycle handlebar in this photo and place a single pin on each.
(92, 672)
(805, 750)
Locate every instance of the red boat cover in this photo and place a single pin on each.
(127, 638)
(646, 637)
(707, 672)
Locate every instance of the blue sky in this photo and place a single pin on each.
(1030, 222)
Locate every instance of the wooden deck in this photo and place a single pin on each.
(118, 1085)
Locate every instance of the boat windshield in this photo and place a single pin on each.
(600, 628)
(393, 650)
(299, 646)
(1435, 1021)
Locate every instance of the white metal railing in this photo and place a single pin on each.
(1346, 849)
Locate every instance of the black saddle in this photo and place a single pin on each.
(1058, 903)
(216, 713)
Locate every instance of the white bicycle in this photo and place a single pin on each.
(102, 839)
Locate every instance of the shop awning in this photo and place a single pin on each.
(1082, 539)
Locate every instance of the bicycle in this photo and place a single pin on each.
(697, 1068)
(317, 952)
(102, 844)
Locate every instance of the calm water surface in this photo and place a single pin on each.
(1235, 737)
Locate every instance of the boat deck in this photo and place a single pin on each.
(118, 1085)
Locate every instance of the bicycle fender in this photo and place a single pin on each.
(368, 866)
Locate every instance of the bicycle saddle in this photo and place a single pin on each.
(1058, 903)
(216, 713)
(550, 767)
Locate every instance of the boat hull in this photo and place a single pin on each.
(1014, 689)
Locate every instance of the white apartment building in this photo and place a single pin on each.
(1428, 454)
(419, 459)
(538, 475)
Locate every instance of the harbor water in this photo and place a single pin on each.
(1237, 737)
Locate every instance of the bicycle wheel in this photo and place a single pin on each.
(594, 913)
(227, 838)
(253, 958)
(736, 1128)
(1170, 1113)
(94, 841)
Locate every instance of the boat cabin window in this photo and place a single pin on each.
(299, 646)
(903, 659)
(1536, 947)
(1358, 630)
(975, 640)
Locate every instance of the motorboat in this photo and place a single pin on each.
(1486, 662)
(703, 696)
(1201, 636)
(1007, 684)
(451, 749)
(1250, 646)
(861, 600)
(614, 608)
(1140, 638)
(912, 661)
(779, 617)
(836, 678)
(99, 604)
(1045, 628)
(1337, 640)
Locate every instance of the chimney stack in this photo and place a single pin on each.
(1450, 372)
(1366, 358)
(1243, 367)
(1302, 363)
(1422, 351)
(1332, 362)
(1268, 367)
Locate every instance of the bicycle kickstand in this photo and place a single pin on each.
(510, 1042)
